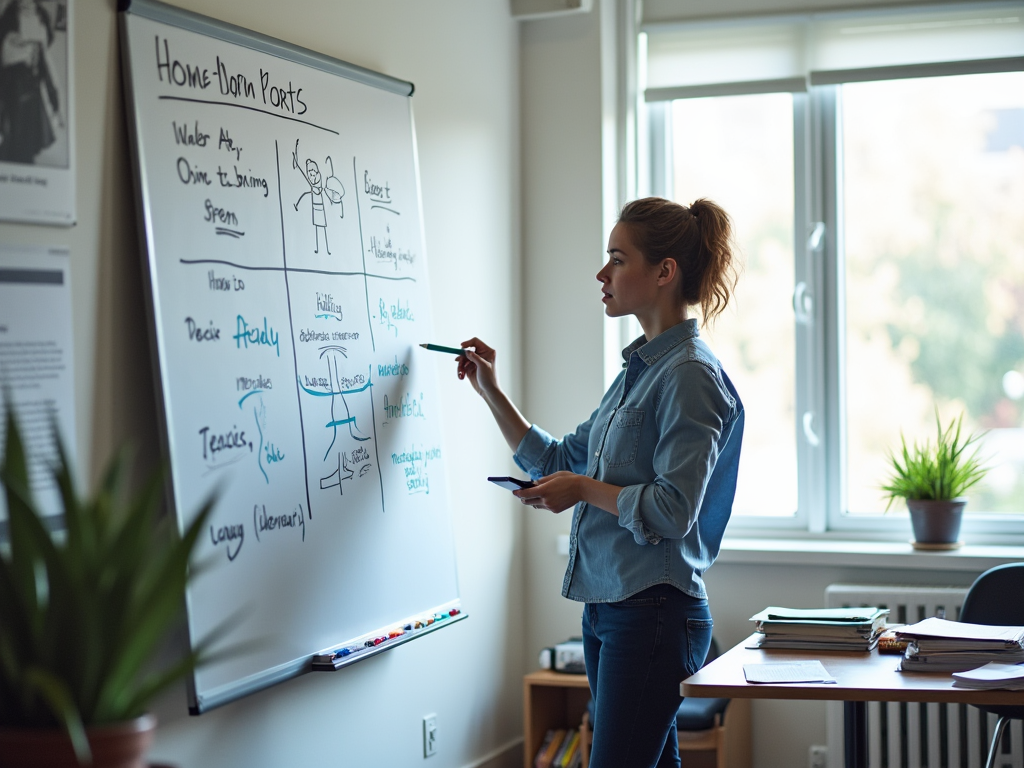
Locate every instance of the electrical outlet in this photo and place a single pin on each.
(818, 757)
(430, 735)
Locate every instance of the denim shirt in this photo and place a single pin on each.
(669, 431)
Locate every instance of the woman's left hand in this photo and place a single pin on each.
(557, 492)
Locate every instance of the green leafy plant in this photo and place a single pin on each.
(82, 615)
(943, 471)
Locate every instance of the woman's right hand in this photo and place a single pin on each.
(477, 364)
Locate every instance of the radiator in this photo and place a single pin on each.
(919, 735)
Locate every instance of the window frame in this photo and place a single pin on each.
(820, 337)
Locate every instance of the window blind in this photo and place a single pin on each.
(788, 53)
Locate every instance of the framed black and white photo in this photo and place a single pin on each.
(37, 163)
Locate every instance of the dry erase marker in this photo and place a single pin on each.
(439, 348)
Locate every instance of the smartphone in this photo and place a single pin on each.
(511, 483)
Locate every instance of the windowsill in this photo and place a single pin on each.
(863, 554)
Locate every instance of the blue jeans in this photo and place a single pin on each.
(637, 652)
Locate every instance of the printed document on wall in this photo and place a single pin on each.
(37, 112)
(36, 370)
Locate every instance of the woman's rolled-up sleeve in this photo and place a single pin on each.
(540, 454)
(690, 415)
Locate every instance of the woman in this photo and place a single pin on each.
(652, 475)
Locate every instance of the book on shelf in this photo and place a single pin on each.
(577, 758)
(570, 746)
(553, 741)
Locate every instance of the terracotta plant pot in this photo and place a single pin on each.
(121, 745)
(936, 521)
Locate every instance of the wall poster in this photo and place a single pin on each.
(37, 157)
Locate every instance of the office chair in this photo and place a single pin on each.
(994, 598)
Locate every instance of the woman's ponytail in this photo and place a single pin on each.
(698, 237)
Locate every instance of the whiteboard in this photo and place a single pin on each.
(278, 192)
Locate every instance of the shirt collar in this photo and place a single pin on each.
(651, 351)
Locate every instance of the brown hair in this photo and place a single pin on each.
(698, 237)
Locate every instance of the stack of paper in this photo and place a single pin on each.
(938, 645)
(820, 629)
(992, 675)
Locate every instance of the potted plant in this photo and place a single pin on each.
(83, 614)
(932, 480)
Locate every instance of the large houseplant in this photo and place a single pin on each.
(932, 479)
(82, 615)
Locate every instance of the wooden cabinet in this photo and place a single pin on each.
(551, 700)
(558, 700)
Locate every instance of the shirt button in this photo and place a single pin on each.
(597, 454)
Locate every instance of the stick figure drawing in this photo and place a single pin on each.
(331, 187)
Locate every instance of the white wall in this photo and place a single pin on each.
(563, 248)
(462, 56)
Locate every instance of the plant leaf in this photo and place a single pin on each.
(944, 470)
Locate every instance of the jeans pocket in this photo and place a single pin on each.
(698, 641)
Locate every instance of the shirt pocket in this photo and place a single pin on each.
(623, 437)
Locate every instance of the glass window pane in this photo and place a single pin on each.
(934, 241)
(738, 151)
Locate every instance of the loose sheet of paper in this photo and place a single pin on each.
(787, 672)
(36, 362)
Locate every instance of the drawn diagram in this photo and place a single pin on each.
(331, 187)
(266, 452)
(340, 389)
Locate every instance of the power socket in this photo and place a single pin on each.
(818, 757)
(429, 735)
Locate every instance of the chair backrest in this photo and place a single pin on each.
(713, 652)
(996, 597)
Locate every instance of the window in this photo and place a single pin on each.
(874, 168)
(934, 272)
(750, 174)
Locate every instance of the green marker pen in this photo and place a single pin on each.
(439, 348)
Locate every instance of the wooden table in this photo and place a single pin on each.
(860, 678)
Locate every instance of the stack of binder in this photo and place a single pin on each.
(938, 645)
(820, 629)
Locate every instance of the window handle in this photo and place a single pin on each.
(803, 303)
(817, 237)
(809, 434)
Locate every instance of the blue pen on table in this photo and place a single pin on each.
(439, 348)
